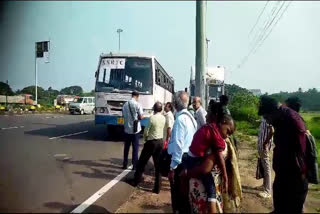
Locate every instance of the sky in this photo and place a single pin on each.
(80, 31)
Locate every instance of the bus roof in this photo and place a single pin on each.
(103, 55)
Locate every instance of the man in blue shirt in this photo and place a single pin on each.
(132, 111)
(181, 137)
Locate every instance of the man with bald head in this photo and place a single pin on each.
(153, 135)
(182, 133)
(200, 113)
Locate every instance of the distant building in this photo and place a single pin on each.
(256, 92)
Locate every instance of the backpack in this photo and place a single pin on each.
(311, 160)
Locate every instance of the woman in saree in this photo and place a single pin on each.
(227, 200)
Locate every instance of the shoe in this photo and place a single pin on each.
(260, 187)
(133, 182)
(264, 194)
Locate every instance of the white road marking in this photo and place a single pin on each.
(89, 119)
(21, 126)
(101, 192)
(15, 127)
(68, 135)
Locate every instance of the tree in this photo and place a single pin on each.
(31, 90)
(72, 90)
(5, 89)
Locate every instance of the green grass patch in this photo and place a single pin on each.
(247, 128)
(313, 124)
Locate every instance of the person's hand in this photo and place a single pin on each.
(171, 175)
(225, 185)
(183, 174)
(265, 147)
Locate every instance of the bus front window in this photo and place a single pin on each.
(135, 75)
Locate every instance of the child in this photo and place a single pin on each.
(210, 139)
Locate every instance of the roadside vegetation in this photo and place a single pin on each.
(244, 109)
(45, 97)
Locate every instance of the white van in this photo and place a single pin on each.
(83, 105)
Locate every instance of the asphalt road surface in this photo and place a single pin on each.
(55, 162)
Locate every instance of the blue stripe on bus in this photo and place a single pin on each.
(112, 120)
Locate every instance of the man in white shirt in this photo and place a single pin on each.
(169, 121)
(132, 111)
(200, 113)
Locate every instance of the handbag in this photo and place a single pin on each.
(164, 163)
(259, 171)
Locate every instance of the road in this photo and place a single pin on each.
(55, 162)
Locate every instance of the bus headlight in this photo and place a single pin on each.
(102, 110)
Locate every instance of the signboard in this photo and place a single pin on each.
(42, 50)
(46, 57)
(113, 63)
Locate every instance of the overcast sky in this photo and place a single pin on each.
(80, 31)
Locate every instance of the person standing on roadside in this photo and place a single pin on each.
(168, 109)
(224, 100)
(200, 112)
(264, 146)
(153, 135)
(290, 185)
(132, 113)
(181, 137)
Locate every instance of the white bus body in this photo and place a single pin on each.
(120, 74)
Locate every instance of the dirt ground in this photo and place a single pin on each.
(143, 200)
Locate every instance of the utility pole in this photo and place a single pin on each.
(7, 94)
(36, 76)
(200, 51)
(119, 31)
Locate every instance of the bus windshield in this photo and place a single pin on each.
(125, 74)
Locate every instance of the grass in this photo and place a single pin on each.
(313, 124)
(247, 128)
(312, 120)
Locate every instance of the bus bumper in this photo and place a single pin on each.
(115, 120)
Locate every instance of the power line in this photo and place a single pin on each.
(259, 35)
(274, 25)
(262, 35)
(258, 19)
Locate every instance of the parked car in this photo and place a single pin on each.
(82, 105)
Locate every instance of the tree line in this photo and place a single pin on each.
(45, 97)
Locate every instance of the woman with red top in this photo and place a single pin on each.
(210, 139)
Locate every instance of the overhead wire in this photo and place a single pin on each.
(258, 19)
(273, 26)
(262, 36)
(259, 34)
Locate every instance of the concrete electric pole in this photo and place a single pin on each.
(200, 51)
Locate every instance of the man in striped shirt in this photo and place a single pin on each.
(264, 146)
